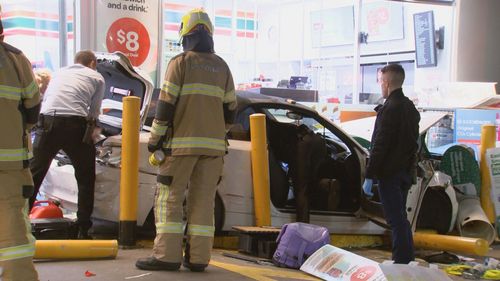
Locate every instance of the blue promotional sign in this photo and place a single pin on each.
(468, 124)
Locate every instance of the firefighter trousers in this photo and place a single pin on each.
(17, 245)
(195, 179)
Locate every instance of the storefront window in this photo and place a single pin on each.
(234, 32)
(274, 43)
(34, 27)
(389, 37)
(309, 45)
(307, 40)
(172, 16)
(317, 40)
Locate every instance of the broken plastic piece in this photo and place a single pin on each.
(89, 274)
(491, 274)
(457, 269)
(472, 273)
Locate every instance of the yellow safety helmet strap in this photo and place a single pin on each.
(194, 18)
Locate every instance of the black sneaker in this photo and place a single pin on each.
(151, 263)
(194, 267)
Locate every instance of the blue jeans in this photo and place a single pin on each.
(393, 192)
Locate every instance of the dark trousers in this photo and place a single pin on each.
(393, 192)
(66, 133)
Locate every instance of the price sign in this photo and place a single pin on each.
(364, 273)
(130, 37)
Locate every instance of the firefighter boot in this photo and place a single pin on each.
(195, 267)
(151, 263)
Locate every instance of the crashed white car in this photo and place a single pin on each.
(351, 212)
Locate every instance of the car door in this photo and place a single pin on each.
(357, 202)
(345, 162)
(371, 207)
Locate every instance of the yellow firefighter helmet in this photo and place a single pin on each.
(194, 18)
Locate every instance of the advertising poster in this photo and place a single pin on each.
(493, 160)
(468, 124)
(382, 21)
(332, 27)
(334, 264)
(130, 27)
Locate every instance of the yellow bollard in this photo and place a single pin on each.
(488, 139)
(75, 249)
(129, 177)
(466, 245)
(260, 170)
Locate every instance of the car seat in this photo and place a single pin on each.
(281, 139)
(279, 183)
(310, 153)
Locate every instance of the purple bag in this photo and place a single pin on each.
(297, 241)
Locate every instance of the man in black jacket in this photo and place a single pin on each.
(392, 158)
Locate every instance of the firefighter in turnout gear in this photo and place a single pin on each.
(196, 103)
(19, 108)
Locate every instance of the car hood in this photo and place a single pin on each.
(363, 128)
(122, 80)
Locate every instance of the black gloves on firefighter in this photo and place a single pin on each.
(155, 142)
(154, 147)
(158, 135)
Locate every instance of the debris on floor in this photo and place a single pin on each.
(488, 270)
(138, 276)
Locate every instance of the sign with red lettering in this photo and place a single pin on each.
(130, 27)
(130, 37)
(364, 273)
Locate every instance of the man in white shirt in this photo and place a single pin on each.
(72, 104)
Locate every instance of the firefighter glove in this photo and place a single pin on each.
(155, 142)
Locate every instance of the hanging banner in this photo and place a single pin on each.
(130, 27)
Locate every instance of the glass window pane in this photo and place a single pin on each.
(172, 16)
(70, 30)
(33, 26)
(308, 38)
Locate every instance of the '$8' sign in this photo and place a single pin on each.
(130, 37)
(363, 273)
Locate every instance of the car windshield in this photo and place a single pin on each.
(285, 116)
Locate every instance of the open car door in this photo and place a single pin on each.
(372, 207)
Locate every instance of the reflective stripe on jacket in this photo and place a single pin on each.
(196, 88)
(19, 107)
(17, 252)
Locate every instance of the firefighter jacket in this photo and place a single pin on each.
(196, 101)
(19, 107)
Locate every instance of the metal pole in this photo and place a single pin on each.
(357, 52)
(161, 50)
(488, 140)
(63, 34)
(466, 245)
(129, 177)
(260, 170)
(75, 249)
